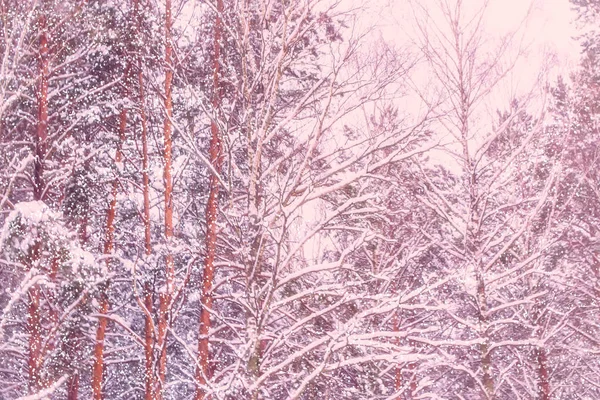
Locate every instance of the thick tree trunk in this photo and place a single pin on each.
(165, 297)
(98, 368)
(212, 209)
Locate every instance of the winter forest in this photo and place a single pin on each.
(272, 199)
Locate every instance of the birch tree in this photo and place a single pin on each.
(490, 208)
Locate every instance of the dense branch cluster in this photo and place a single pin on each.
(254, 199)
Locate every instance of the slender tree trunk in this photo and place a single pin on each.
(165, 297)
(98, 368)
(149, 325)
(73, 387)
(472, 249)
(149, 393)
(212, 209)
(543, 376)
(34, 319)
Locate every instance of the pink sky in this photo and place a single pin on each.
(549, 28)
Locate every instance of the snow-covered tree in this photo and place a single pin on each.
(254, 199)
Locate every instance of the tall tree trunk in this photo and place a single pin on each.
(149, 393)
(34, 327)
(98, 368)
(165, 297)
(212, 209)
(149, 324)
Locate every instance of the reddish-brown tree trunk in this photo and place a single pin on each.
(98, 368)
(165, 297)
(149, 393)
(41, 137)
(149, 325)
(73, 387)
(73, 382)
(543, 376)
(212, 207)
(399, 381)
